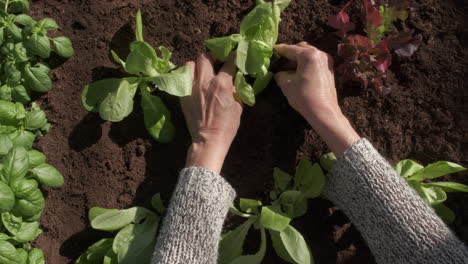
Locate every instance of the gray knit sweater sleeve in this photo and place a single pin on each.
(397, 225)
(191, 229)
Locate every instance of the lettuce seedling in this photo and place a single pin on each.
(366, 59)
(433, 193)
(113, 98)
(23, 45)
(253, 47)
(420, 179)
(288, 201)
(135, 238)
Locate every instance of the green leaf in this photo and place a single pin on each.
(25, 20)
(35, 119)
(36, 158)
(293, 203)
(157, 117)
(282, 179)
(431, 195)
(235, 211)
(38, 45)
(5, 144)
(258, 257)
(115, 102)
(252, 56)
(110, 257)
(20, 94)
(244, 90)
(222, 47)
(435, 170)
(7, 198)
(8, 113)
(31, 205)
(164, 64)
(309, 179)
(63, 47)
(48, 175)
(24, 188)
(97, 211)
(18, 6)
(96, 92)
(24, 139)
(158, 204)
(116, 220)
(139, 26)
(16, 164)
(407, 168)
(262, 82)
(13, 30)
(12, 223)
(273, 218)
(131, 242)
(142, 59)
(96, 252)
(290, 245)
(449, 186)
(28, 232)
(232, 243)
(249, 205)
(117, 59)
(4, 237)
(47, 24)
(282, 4)
(177, 82)
(10, 255)
(37, 78)
(447, 215)
(36, 256)
(327, 161)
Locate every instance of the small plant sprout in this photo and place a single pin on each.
(288, 201)
(113, 98)
(366, 59)
(253, 48)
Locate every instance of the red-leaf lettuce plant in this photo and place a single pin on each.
(366, 59)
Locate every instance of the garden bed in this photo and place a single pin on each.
(118, 165)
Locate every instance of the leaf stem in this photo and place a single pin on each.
(6, 5)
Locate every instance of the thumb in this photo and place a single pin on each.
(284, 78)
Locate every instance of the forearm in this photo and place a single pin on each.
(397, 225)
(192, 227)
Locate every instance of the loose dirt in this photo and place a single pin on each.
(118, 165)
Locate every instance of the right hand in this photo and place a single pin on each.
(310, 90)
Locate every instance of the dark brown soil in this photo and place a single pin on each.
(118, 165)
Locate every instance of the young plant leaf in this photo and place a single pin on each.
(12, 223)
(249, 205)
(5, 144)
(232, 242)
(7, 198)
(10, 255)
(436, 170)
(244, 90)
(29, 206)
(24, 188)
(36, 256)
(294, 203)
(309, 179)
(96, 252)
(63, 47)
(448, 186)
(158, 204)
(39, 45)
(327, 161)
(27, 232)
(141, 59)
(447, 215)
(407, 168)
(282, 179)
(48, 175)
(139, 26)
(222, 47)
(177, 82)
(37, 78)
(16, 165)
(36, 158)
(272, 217)
(290, 245)
(116, 220)
(97, 211)
(157, 117)
(258, 257)
(341, 21)
(431, 195)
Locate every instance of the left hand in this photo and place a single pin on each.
(212, 113)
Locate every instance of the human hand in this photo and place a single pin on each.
(212, 113)
(310, 90)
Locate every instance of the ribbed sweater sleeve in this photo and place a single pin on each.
(191, 229)
(398, 226)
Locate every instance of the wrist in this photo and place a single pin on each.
(208, 155)
(335, 129)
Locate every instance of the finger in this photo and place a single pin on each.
(229, 69)
(204, 68)
(284, 78)
(304, 44)
(290, 52)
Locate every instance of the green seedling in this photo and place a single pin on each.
(253, 48)
(288, 201)
(113, 98)
(135, 234)
(24, 42)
